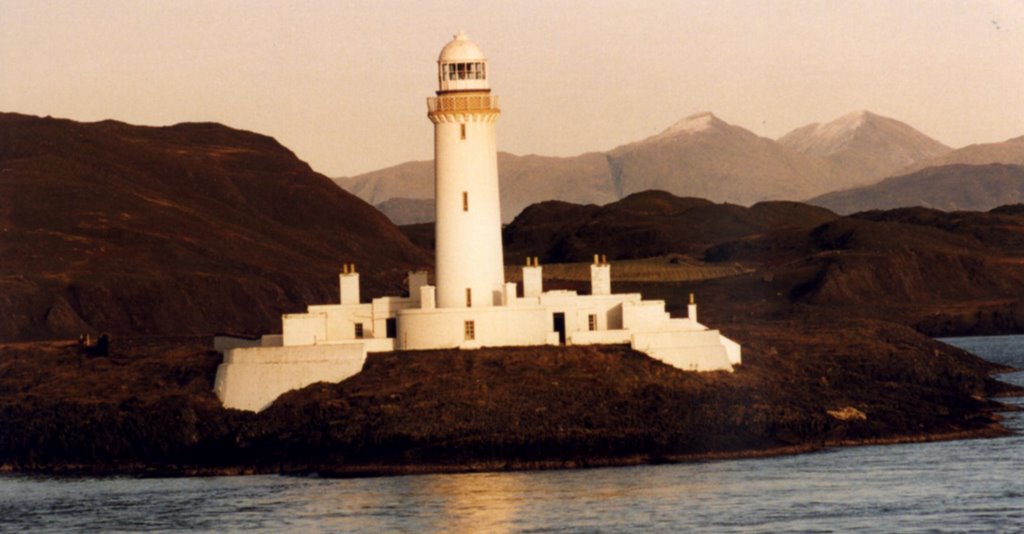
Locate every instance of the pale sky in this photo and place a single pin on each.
(344, 84)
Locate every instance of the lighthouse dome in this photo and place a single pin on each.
(460, 48)
(461, 66)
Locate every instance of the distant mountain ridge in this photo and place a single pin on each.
(404, 211)
(955, 187)
(703, 156)
(700, 155)
(524, 180)
(1010, 152)
(863, 146)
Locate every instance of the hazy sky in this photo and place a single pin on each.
(344, 84)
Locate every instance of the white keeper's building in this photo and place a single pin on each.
(470, 305)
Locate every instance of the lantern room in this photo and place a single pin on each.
(461, 66)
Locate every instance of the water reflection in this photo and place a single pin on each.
(485, 502)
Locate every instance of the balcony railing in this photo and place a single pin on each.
(462, 103)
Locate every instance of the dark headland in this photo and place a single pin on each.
(162, 236)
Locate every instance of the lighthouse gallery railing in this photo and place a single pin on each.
(463, 103)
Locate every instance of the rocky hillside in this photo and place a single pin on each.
(192, 228)
(863, 147)
(948, 187)
(942, 273)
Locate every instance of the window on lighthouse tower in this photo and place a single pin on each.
(465, 201)
(464, 71)
(462, 131)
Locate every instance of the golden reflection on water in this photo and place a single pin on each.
(500, 502)
(483, 502)
(506, 502)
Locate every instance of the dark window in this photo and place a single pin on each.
(470, 330)
(593, 321)
(359, 330)
(392, 327)
(462, 131)
(465, 201)
(469, 297)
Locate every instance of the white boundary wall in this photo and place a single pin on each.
(252, 378)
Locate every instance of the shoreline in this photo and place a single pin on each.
(991, 431)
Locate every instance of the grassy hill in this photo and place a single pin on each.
(192, 228)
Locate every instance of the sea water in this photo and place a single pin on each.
(955, 486)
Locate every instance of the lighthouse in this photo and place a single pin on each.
(470, 306)
(469, 271)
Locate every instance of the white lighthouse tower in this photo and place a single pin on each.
(469, 269)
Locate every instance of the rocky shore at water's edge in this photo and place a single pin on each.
(147, 408)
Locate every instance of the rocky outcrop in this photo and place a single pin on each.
(148, 406)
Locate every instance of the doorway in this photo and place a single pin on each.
(559, 319)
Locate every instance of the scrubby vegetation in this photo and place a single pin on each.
(148, 406)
